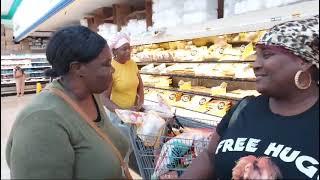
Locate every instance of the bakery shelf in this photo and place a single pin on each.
(202, 77)
(188, 109)
(194, 93)
(197, 62)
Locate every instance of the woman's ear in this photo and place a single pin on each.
(75, 68)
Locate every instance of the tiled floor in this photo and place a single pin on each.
(10, 107)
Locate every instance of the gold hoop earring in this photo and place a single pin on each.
(298, 84)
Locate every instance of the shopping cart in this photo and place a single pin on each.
(148, 156)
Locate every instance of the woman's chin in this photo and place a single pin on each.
(261, 89)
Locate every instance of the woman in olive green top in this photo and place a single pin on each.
(49, 139)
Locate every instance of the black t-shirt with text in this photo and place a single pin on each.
(291, 143)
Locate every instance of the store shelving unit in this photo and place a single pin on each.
(201, 77)
(251, 21)
(192, 92)
(33, 65)
(204, 61)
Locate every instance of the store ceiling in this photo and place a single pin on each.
(77, 10)
(8, 8)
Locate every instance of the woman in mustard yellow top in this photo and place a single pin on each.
(126, 91)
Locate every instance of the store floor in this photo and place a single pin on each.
(10, 107)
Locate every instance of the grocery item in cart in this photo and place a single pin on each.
(170, 175)
(150, 130)
(171, 152)
(130, 117)
(174, 153)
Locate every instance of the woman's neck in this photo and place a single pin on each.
(74, 89)
(120, 61)
(294, 103)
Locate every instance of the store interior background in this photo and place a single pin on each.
(158, 29)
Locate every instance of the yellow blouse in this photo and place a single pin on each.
(125, 83)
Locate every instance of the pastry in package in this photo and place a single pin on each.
(199, 103)
(218, 107)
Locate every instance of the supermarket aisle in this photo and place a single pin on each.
(10, 107)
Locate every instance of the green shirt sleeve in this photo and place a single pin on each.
(40, 148)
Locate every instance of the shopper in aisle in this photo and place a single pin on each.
(126, 91)
(64, 133)
(282, 124)
(19, 76)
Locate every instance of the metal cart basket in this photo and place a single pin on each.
(148, 156)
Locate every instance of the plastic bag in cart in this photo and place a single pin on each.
(150, 126)
(150, 130)
(130, 117)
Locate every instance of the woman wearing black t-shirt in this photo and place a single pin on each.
(275, 135)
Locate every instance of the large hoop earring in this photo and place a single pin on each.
(297, 82)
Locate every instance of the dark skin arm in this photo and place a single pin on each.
(140, 95)
(203, 167)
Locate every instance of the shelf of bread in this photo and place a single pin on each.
(214, 92)
(196, 103)
(229, 71)
(196, 116)
(227, 48)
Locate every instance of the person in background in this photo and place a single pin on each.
(64, 132)
(19, 76)
(276, 135)
(126, 91)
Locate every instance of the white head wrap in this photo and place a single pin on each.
(118, 40)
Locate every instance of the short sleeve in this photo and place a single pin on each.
(39, 148)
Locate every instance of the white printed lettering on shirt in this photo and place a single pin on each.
(228, 145)
(310, 170)
(252, 144)
(272, 148)
(239, 145)
(284, 155)
(219, 146)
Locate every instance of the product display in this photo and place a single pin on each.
(197, 50)
(193, 102)
(33, 66)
